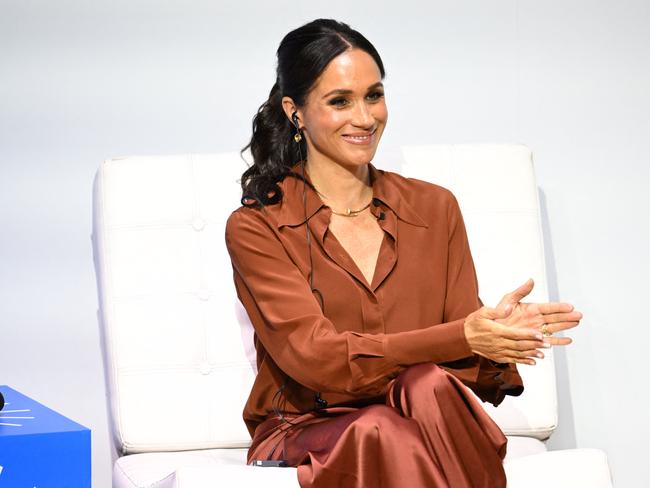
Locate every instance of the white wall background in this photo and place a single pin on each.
(83, 81)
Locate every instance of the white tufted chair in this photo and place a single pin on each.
(177, 344)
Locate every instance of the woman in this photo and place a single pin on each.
(363, 293)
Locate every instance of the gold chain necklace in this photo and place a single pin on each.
(349, 212)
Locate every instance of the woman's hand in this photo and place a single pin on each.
(556, 316)
(499, 342)
(512, 332)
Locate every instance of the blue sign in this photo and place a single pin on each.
(40, 448)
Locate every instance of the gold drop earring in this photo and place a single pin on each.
(297, 136)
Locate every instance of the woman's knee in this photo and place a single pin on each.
(422, 382)
(380, 420)
(376, 415)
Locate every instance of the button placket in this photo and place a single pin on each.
(373, 317)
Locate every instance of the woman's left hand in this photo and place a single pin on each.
(556, 316)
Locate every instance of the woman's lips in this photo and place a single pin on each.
(360, 139)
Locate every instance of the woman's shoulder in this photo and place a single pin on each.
(248, 218)
(419, 193)
(247, 223)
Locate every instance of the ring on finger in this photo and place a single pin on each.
(545, 330)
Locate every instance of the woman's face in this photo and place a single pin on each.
(345, 113)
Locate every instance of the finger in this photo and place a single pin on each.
(518, 294)
(560, 326)
(555, 307)
(518, 333)
(574, 316)
(513, 359)
(532, 353)
(558, 341)
(515, 349)
(529, 345)
(526, 361)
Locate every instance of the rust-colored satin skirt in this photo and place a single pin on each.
(431, 433)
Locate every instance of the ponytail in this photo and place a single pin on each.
(274, 153)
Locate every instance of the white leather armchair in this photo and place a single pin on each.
(177, 344)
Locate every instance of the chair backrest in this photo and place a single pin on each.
(176, 364)
(496, 190)
(177, 344)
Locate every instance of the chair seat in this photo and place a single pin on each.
(527, 464)
(559, 469)
(190, 469)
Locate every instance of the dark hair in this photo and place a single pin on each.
(303, 55)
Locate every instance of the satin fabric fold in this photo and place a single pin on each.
(431, 432)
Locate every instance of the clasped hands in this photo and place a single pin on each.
(514, 332)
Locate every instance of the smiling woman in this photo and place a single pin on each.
(344, 114)
(362, 290)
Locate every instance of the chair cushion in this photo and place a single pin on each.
(560, 469)
(159, 469)
(523, 446)
(164, 468)
(527, 465)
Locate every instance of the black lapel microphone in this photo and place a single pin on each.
(320, 402)
(376, 202)
(2, 401)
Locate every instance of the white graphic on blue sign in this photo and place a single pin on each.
(4, 416)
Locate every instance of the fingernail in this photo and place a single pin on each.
(539, 337)
(546, 344)
(539, 355)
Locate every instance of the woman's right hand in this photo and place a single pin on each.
(499, 342)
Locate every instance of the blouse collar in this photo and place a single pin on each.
(384, 190)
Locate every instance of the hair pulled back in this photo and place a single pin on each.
(303, 55)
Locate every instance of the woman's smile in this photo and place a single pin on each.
(360, 138)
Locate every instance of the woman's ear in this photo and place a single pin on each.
(290, 108)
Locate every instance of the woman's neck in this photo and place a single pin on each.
(340, 186)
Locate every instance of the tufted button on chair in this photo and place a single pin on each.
(177, 345)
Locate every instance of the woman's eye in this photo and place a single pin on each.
(375, 96)
(338, 102)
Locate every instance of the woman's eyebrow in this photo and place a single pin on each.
(341, 91)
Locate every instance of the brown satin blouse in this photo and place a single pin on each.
(351, 344)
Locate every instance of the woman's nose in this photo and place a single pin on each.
(362, 117)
